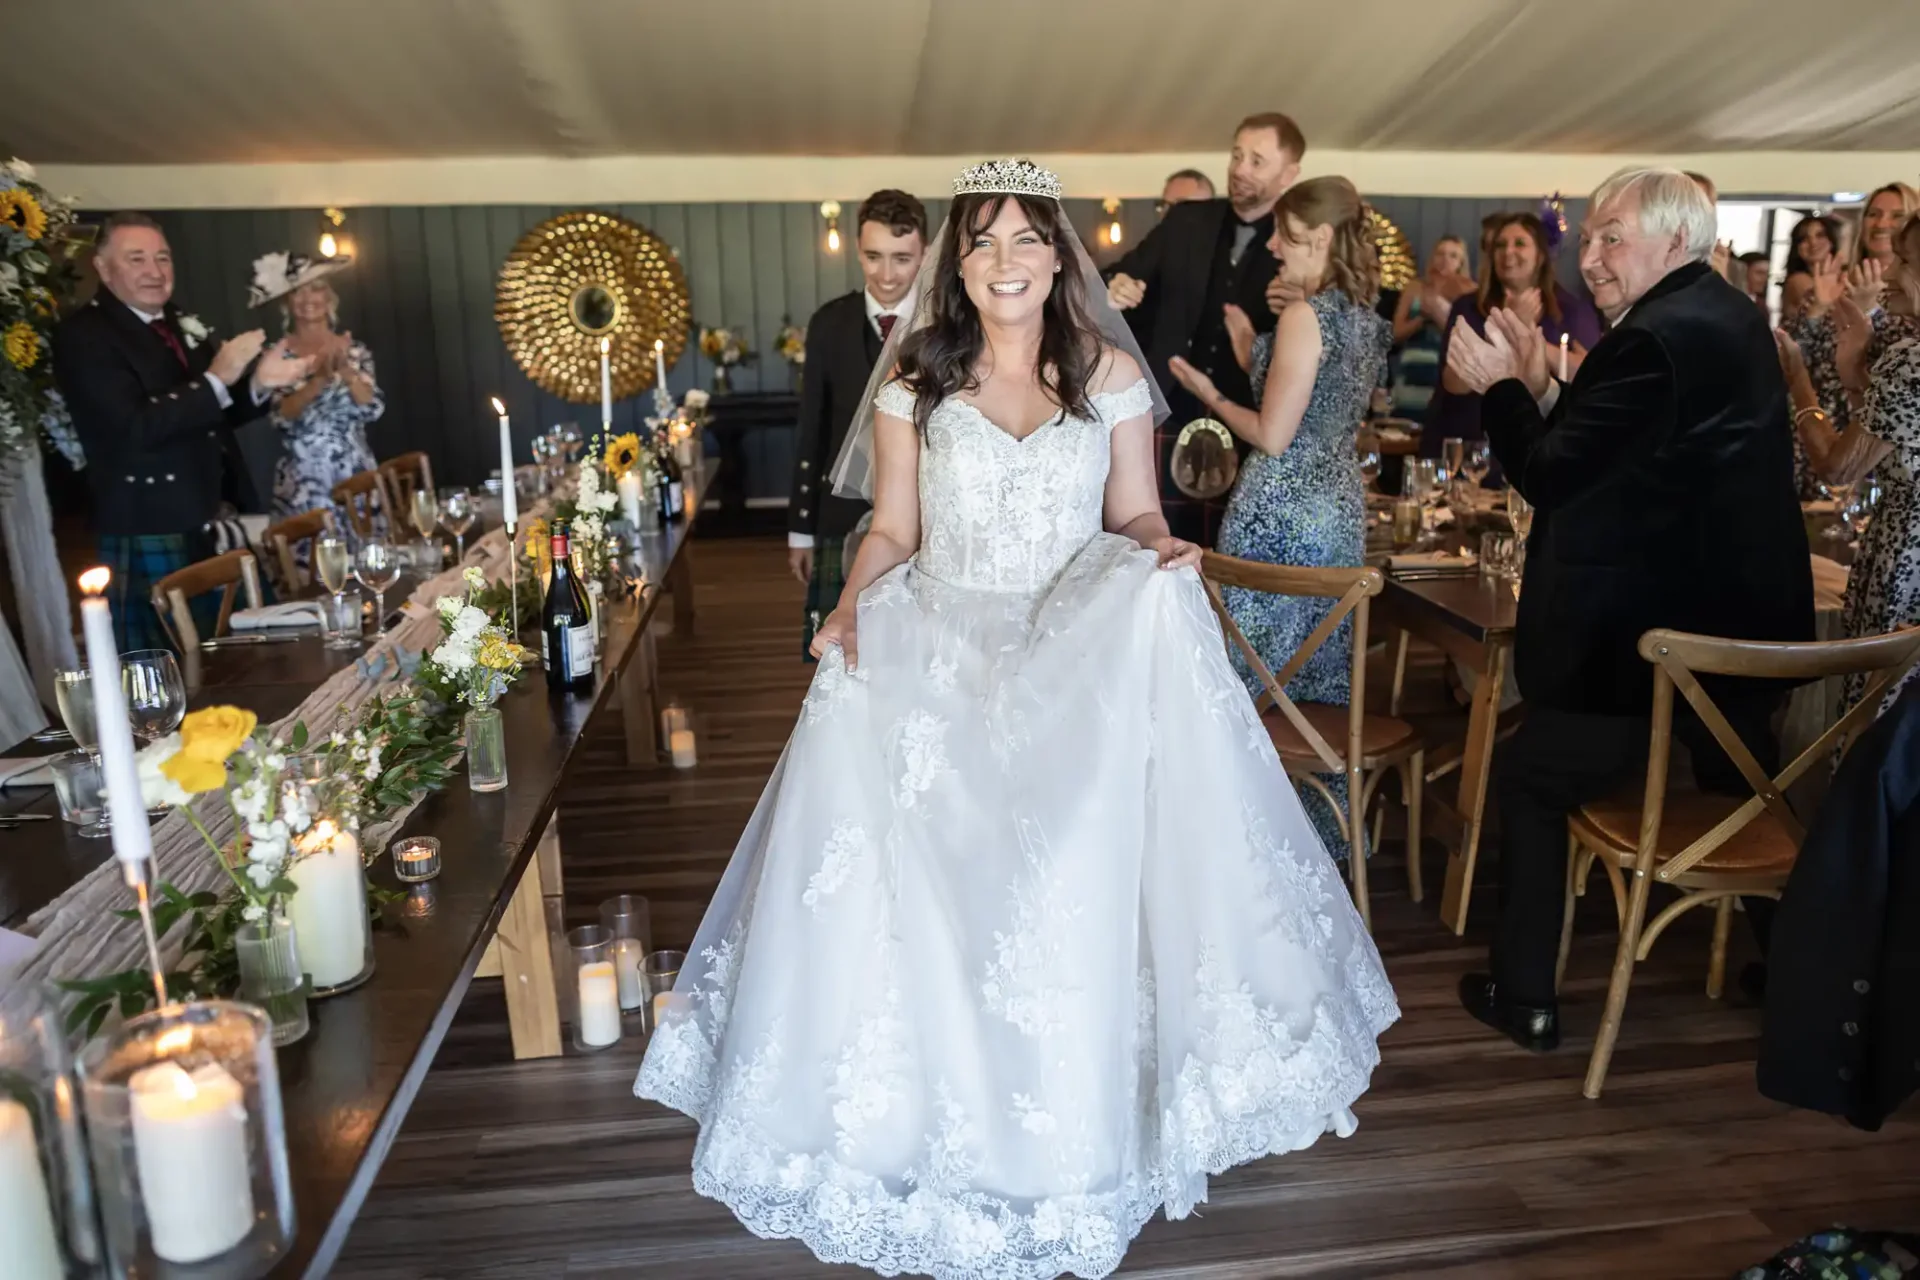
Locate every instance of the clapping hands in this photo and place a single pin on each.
(1512, 348)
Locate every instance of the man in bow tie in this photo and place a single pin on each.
(154, 405)
(844, 338)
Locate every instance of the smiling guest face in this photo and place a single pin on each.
(1619, 261)
(1008, 270)
(1881, 219)
(889, 262)
(312, 303)
(1516, 258)
(136, 266)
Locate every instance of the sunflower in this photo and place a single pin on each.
(21, 344)
(19, 210)
(536, 539)
(623, 453)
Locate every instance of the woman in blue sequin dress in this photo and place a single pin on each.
(1299, 499)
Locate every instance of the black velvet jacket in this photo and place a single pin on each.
(1663, 487)
(842, 347)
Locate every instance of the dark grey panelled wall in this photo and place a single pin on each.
(421, 296)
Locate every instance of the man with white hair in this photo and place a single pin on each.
(1662, 484)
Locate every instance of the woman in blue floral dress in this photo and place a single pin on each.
(1299, 499)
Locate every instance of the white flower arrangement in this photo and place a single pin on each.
(476, 657)
(695, 399)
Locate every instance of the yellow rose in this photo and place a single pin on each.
(195, 776)
(210, 736)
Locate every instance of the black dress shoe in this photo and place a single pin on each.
(1534, 1028)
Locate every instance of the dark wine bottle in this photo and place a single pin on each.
(566, 623)
(672, 489)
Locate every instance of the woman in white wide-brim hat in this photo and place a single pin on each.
(324, 417)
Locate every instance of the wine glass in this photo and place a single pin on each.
(156, 695)
(1858, 511)
(571, 440)
(332, 560)
(1478, 461)
(73, 691)
(1520, 512)
(1453, 453)
(456, 511)
(378, 568)
(1369, 468)
(424, 510)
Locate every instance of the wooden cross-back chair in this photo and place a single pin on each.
(1304, 733)
(361, 496)
(285, 535)
(237, 570)
(403, 475)
(1713, 848)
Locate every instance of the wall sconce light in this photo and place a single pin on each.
(332, 245)
(830, 210)
(1115, 232)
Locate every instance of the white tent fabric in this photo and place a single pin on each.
(40, 595)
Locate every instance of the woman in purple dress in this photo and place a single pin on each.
(1516, 271)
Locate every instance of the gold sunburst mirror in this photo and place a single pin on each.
(1398, 266)
(586, 276)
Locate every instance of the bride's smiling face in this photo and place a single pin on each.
(1008, 268)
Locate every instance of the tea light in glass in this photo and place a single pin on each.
(595, 993)
(416, 859)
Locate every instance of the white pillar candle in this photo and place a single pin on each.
(606, 388)
(1563, 357)
(599, 1005)
(660, 364)
(628, 956)
(509, 497)
(628, 487)
(132, 842)
(190, 1150)
(329, 912)
(680, 743)
(26, 1212)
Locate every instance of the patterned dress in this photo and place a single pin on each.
(1306, 506)
(326, 443)
(1883, 590)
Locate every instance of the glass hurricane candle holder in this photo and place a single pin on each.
(590, 989)
(329, 906)
(660, 971)
(189, 1145)
(47, 1229)
(676, 731)
(416, 859)
(628, 918)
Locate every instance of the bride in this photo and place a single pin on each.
(1028, 934)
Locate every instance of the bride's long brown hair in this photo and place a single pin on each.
(938, 360)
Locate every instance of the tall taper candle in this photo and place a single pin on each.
(1563, 357)
(132, 842)
(606, 388)
(509, 497)
(660, 363)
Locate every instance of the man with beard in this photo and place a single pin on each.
(1205, 270)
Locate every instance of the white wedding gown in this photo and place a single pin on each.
(1028, 934)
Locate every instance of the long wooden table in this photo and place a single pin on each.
(347, 1086)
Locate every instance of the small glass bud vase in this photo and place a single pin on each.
(47, 1223)
(590, 988)
(271, 976)
(486, 750)
(660, 972)
(189, 1144)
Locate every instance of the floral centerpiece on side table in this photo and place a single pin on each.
(791, 345)
(473, 666)
(727, 348)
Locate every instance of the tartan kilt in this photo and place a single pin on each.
(138, 561)
(824, 587)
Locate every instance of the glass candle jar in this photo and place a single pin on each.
(660, 971)
(627, 918)
(189, 1145)
(591, 989)
(676, 730)
(47, 1226)
(416, 859)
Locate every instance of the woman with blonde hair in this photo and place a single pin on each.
(1299, 499)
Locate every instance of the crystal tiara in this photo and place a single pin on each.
(1008, 177)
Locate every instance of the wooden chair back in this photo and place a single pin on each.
(1680, 658)
(403, 475)
(361, 496)
(1349, 589)
(236, 570)
(284, 535)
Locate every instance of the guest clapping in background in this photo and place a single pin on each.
(1756, 272)
(1420, 325)
(1813, 269)
(323, 417)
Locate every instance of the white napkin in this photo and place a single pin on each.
(269, 617)
(31, 771)
(1431, 560)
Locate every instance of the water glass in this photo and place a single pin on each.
(344, 620)
(1496, 555)
(156, 695)
(73, 691)
(82, 790)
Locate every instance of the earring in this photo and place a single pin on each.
(1056, 268)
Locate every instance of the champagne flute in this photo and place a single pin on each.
(1453, 452)
(1478, 462)
(424, 508)
(1369, 468)
(456, 509)
(1520, 512)
(378, 568)
(332, 560)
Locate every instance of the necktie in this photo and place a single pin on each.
(172, 339)
(886, 325)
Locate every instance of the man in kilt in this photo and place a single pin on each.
(843, 343)
(154, 401)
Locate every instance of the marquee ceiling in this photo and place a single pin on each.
(223, 81)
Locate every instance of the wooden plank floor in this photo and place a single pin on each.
(1472, 1159)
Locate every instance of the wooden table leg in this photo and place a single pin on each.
(1475, 765)
(680, 582)
(526, 952)
(639, 712)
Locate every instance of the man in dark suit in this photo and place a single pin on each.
(1203, 267)
(843, 342)
(1662, 483)
(154, 403)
